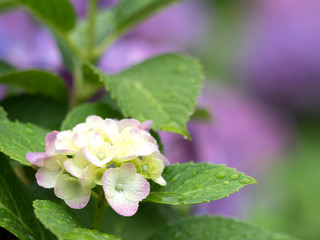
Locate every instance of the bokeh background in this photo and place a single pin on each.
(260, 107)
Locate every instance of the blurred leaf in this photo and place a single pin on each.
(58, 13)
(209, 228)
(36, 82)
(288, 200)
(91, 81)
(138, 227)
(5, 67)
(17, 139)
(55, 217)
(193, 183)
(38, 110)
(63, 223)
(80, 113)
(3, 114)
(201, 114)
(16, 213)
(6, 5)
(163, 89)
(115, 22)
(87, 234)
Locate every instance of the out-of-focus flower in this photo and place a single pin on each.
(25, 44)
(283, 61)
(131, 50)
(243, 134)
(119, 155)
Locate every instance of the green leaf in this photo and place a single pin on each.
(16, 213)
(6, 5)
(115, 22)
(63, 223)
(201, 114)
(209, 228)
(163, 89)
(17, 139)
(39, 110)
(55, 217)
(91, 81)
(193, 183)
(3, 114)
(37, 82)
(5, 67)
(58, 13)
(87, 234)
(79, 114)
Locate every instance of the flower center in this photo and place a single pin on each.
(119, 187)
(101, 156)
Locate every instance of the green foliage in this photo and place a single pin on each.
(209, 228)
(36, 82)
(79, 114)
(39, 110)
(5, 67)
(115, 22)
(63, 223)
(164, 89)
(16, 213)
(55, 217)
(58, 13)
(201, 114)
(3, 114)
(193, 183)
(6, 4)
(17, 139)
(87, 234)
(91, 81)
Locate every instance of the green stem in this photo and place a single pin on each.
(99, 212)
(92, 6)
(77, 84)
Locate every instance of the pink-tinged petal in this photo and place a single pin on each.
(122, 206)
(50, 142)
(124, 188)
(73, 169)
(64, 143)
(46, 177)
(72, 191)
(36, 158)
(137, 190)
(146, 125)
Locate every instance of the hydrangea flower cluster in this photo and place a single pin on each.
(118, 155)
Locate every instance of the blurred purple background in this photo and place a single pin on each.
(262, 62)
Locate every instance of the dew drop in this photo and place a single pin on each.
(221, 174)
(245, 180)
(234, 176)
(226, 182)
(194, 173)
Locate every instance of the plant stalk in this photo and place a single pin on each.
(99, 212)
(92, 7)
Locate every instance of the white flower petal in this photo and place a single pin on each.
(160, 180)
(73, 169)
(46, 177)
(72, 191)
(64, 143)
